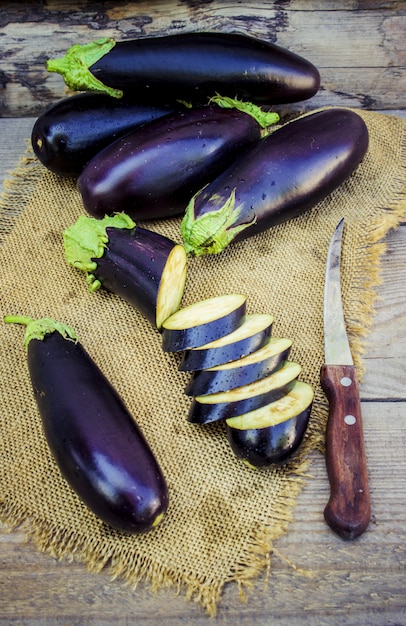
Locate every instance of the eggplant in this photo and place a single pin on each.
(249, 336)
(241, 372)
(71, 132)
(189, 66)
(210, 408)
(202, 322)
(272, 434)
(143, 267)
(95, 441)
(153, 171)
(279, 178)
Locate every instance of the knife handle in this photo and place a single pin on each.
(348, 509)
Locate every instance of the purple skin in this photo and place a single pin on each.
(193, 360)
(206, 382)
(132, 267)
(72, 131)
(193, 67)
(153, 171)
(272, 445)
(184, 339)
(200, 413)
(282, 176)
(96, 443)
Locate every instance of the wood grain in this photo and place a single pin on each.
(358, 47)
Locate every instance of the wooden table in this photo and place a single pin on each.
(360, 49)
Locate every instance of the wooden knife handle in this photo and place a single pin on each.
(348, 510)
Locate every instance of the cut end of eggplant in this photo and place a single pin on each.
(250, 336)
(172, 285)
(275, 432)
(299, 398)
(202, 322)
(240, 400)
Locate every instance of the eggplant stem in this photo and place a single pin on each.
(263, 118)
(38, 329)
(74, 67)
(18, 319)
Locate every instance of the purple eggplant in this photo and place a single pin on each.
(210, 408)
(249, 336)
(241, 372)
(72, 131)
(145, 268)
(272, 434)
(189, 66)
(93, 438)
(279, 178)
(153, 171)
(202, 322)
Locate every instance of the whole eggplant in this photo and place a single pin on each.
(189, 66)
(279, 178)
(153, 171)
(94, 440)
(143, 267)
(72, 131)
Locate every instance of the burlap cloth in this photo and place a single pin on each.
(223, 517)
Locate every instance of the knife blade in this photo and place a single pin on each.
(348, 509)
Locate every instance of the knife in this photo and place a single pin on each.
(348, 509)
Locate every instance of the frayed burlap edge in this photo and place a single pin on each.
(133, 569)
(256, 558)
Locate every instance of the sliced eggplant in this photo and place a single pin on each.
(143, 267)
(271, 434)
(238, 401)
(248, 337)
(203, 322)
(243, 371)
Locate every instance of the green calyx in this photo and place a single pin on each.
(263, 118)
(213, 231)
(74, 67)
(87, 240)
(38, 329)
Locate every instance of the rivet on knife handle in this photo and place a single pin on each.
(348, 509)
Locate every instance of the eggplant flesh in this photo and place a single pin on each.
(240, 400)
(72, 131)
(143, 267)
(202, 322)
(153, 171)
(273, 433)
(274, 445)
(96, 443)
(250, 336)
(244, 371)
(190, 66)
(282, 176)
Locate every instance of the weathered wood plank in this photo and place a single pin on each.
(359, 49)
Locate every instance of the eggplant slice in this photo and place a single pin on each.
(203, 322)
(249, 337)
(270, 435)
(238, 401)
(243, 371)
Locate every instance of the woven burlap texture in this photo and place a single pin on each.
(223, 517)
